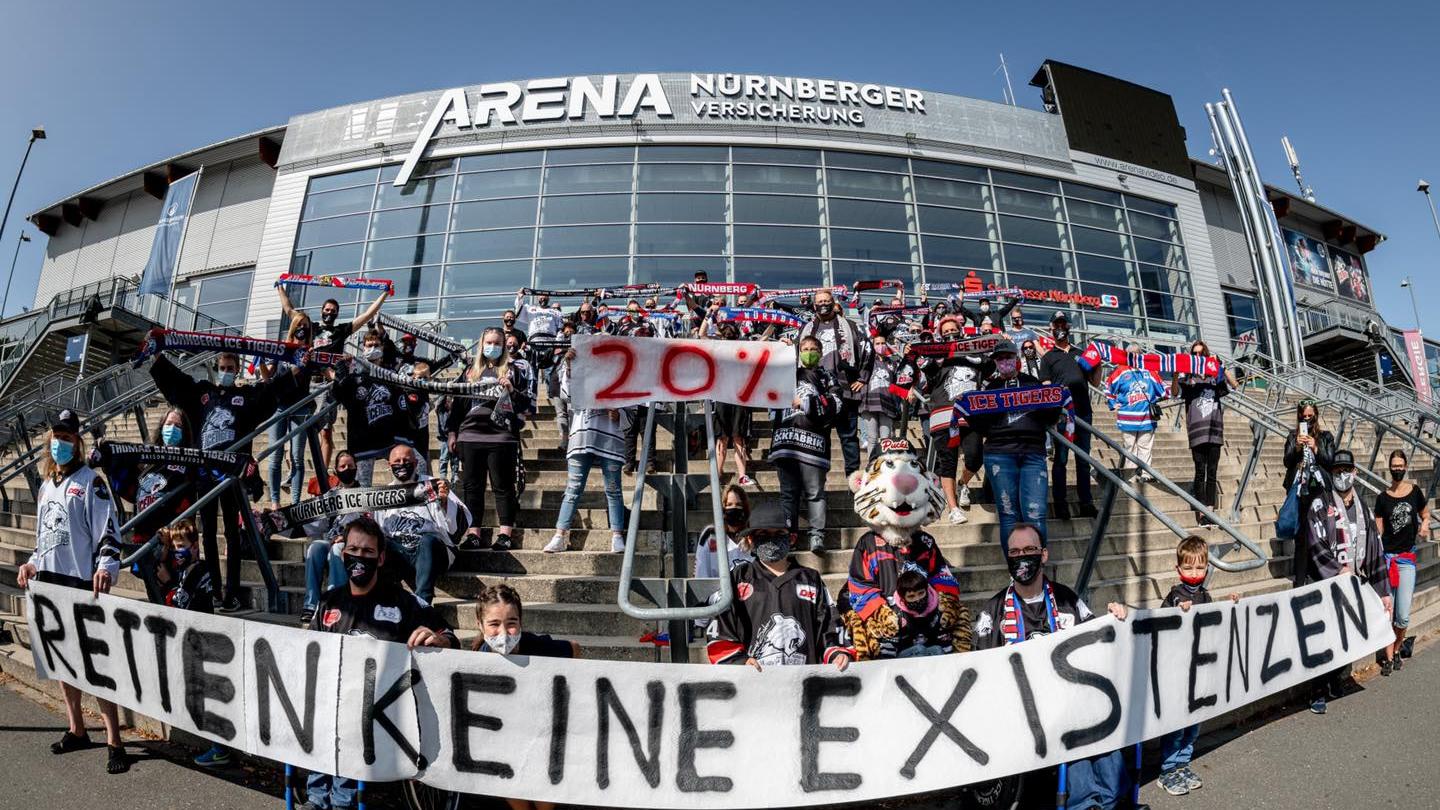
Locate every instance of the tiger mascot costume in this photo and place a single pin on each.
(895, 495)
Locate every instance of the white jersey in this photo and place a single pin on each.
(406, 525)
(537, 320)
(75, 527)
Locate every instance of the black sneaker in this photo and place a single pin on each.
(470, 542)
(1385, 667)
(500, 543)
(306, 615)
(231, 605)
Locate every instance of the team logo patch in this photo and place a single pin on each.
(387, 614)
(238, 402)
(806, 592)
(76, 491)
(204, 399)
(744, 590)
(330, 618)
(1064, 621)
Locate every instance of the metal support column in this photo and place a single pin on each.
(677, 502)
(1102, 521)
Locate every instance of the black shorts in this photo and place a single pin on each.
(732, 422)
(947, 458)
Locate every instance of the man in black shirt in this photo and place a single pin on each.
(1060, 367)
(374, 607)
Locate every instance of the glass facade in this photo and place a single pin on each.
(223, 297)
(1242, 312)
(465, 233)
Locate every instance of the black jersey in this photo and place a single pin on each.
(220, 414)
(779, 620)
(388, 613)
(1007, 618)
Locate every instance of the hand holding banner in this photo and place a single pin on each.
(617, 372)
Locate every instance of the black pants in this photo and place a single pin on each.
(1058, 491)
(632, 436)
(493, 461)
(229, 506)
(1207, 461)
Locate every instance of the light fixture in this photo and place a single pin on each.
(37, 134)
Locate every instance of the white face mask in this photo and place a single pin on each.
(504, 643)
(373, 352)
(1343, 481)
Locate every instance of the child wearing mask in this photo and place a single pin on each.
(1193, 566)
(800, 444)
(187, 587)
(930, 623)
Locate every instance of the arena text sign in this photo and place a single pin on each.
(616, 372)
(665, 735)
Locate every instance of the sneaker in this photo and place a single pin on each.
(118, 761)
(500, 543)
(1385, 667)
(817, 544)
(617, 543)
(70, 742)
(1317, 706)
(558, 543)
(1192, 779)
(470, 542)
(231, 605)
(1174, 783)
(957, 517)
(217, 757)
(963, 498)
(306, 615)
(1397, 663)
(745, 481)
(1145, 476)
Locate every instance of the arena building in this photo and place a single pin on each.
(462, 196)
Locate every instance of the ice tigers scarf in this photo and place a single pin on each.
(108, 454)
(1012, 400)
(485, 389)
(1102, 352)
(337, 282)
(348, 501)
(172, 340)
(779, 317)
(439, 342)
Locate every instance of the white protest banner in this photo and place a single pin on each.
(605, 733)
(616, 372)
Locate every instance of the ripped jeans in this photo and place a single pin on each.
(1021, 484)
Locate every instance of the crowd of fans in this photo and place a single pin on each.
(858, 382)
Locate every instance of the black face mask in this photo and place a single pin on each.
(1024, 568)
(328, 318)
(918, 607)
(403, 471)
(302, 335)
(347, 475)
(736, 516)
(824, 309)
(1061, 335)
(1397, 475)
(362, 570)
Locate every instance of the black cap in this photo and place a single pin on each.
(1342, 458)
(1059, 316)
(1004, 347)
(67, 421)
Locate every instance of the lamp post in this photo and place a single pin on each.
(1424, 188)
(36, 134)
(3, 301)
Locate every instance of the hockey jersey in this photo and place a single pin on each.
(599, 432)
(1130, 392)
(537, 320)
(1007, 618)
(779, 620)
(75, 531)
(406, 525)
(803, 433)
(220, 414)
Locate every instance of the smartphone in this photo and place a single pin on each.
(1304, 428)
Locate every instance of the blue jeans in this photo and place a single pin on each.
(428, 560)
(577, 475)
(326, 791)
(1404, 592)
(319, 560)
(1178, 748)
(1096, 782)
(1022, 491)
(297, 455)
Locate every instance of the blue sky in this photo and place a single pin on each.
(122, 84)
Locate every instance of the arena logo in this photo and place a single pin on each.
(536, 101)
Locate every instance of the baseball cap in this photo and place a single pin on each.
(1059, 316)
(67, 421)
(1004, 347)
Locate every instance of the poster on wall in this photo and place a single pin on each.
(1350, 276)
(1309, 261)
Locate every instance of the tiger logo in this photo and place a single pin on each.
(895, 495)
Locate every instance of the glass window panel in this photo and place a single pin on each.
(416, 192)
(490, 185)
(765, 154)
(332, 231)
(515, 243)
(1105, 271)
(1090, 240)
(1083, 212)
(230, 313)
(680, 239)
(344, 201)
(962, 252)
(1240, 306)
(1027, 202)
(869, 214)
(680, 208)
(1154, 227)
(1081, 191)
(874, 245)
(1030, 181)
(560, 274)
(488, 277)
(591, 154)
(1166, 307)
(415, 308)
(957, 222)
(786, 179)
(1035, 261)
(410, 221)
(760, 240)
(1032, 231)
(587, 179)
(510, 213)
(703, 154)
(781, 210)
(843, 183)
(413, 282)
(857, 160)
(1164, 280)
(585, 240)
(1159, 209)
(682, 177)
(951, 192)
(780, 273)
(954, 171)
(472, 307)
(425, 168)
(359, 177)
(848, 273)
(415, 250)
(329, 261)
(1147, 250)
(501, 160)
(225, 287)
(1040, 284)
(1109, 322)
(585, 208)
(678, 269)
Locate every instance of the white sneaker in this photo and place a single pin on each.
(957, 517)
(617, 543)
(964, 498)
(557, 544)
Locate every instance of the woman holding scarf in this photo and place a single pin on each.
(486, 434)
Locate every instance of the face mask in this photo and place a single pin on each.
(509, 322)
(180, 557)
(492, 351)
(373, 353)
(772, 551)
(328, 318)
(824, 309)
(736, 516)
(950, 338)
(504, 643)
(225, 379)
(61, 451)
(1397, 475)
(984, 309)
(1007, 368)
(347, 475)
(1193, 582)
(1061, 335)
(1029, 352)
(302, 335)
(810, 359)
(1024, 568)
(362, 570)
(1344, 481)
(403, 471)
(172, 435)
(918, 607)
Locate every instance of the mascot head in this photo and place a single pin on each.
(895, 495)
